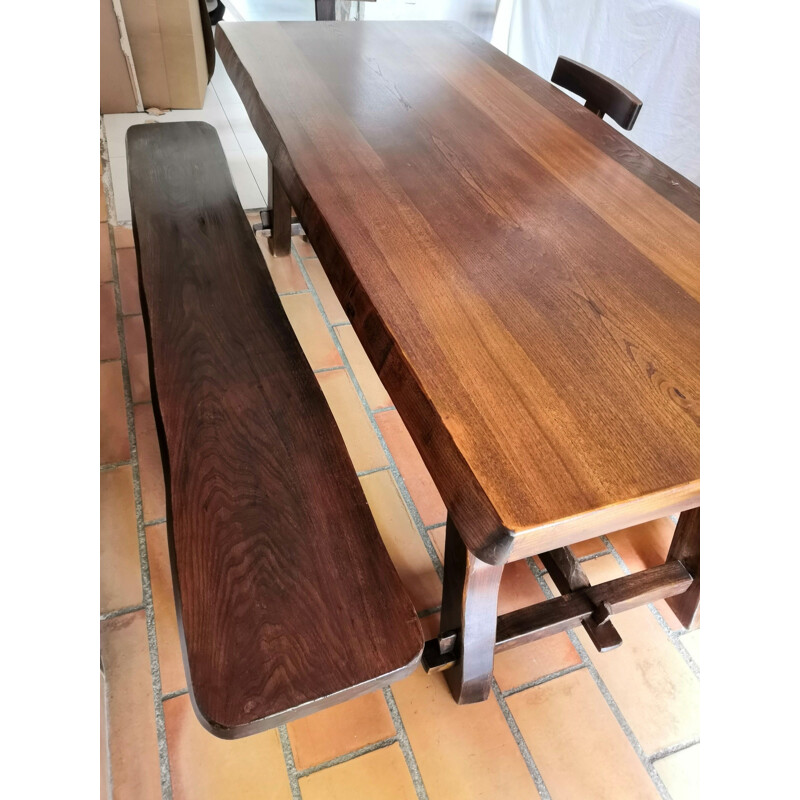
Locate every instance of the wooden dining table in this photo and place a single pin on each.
(524, 280)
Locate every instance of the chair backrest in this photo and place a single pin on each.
(602, 95)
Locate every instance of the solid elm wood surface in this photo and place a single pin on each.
(524, 279)
(288, 600)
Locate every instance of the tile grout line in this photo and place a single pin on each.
(119, 612)
(400, 483)
(155, 672)
(423, 532)
(405, 744)
(673, 636)
(114, 464)
(665, 752)
(343, 759)
(522, 745)
(633, 740)
(372, 471)
(241, 149)
(543, 679)
(173, 695)
(288, 760)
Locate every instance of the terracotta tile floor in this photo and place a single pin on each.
(563, 721)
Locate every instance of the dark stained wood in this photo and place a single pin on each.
(208, 38)
(568, 576)
(469, 608)
(325, 10)
(685, 547)
(602, 95)
(670, 580)
(561, 613)
(287, 599)
(529, 300)
(280, 240)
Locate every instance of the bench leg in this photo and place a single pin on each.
(469, 608)
(281, 240)
(685, 548)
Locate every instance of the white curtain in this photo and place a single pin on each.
(651, 47)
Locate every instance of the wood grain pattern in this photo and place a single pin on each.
(524, 280)
(562, 613)
(469, 608)
(287, 598)
(602, 95)
(568, 576)
(685, 547)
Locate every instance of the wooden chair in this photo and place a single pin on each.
(602, 95)
(287, 599)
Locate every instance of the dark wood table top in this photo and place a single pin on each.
(524, 279)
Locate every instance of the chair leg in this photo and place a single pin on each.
(325, 10)
(469, 608)
(685, 548)
(281, 240)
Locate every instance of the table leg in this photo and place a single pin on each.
(281, 240)
(469, 608)
(685, 548)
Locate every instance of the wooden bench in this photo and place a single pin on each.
(287, 599)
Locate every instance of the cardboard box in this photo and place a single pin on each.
(166, 39)
(117, 94)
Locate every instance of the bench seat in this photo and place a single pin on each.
(287, 599)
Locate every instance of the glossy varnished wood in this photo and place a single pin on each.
(469, 610)
(287, 598)
(602, 95)
(568, 576)
(523, 278)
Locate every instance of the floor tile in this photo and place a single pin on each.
(367, 378)
(655, 689)
(402, 540)
(135, 771)
(128, 273)
(204, 767)
(644, 546)
(691, 641)
(170, 659)
(283, 270)
(105, 254)
(119, 185)
(362, 444)
(519, 588)
(330, 303)
(416, 477)
(105, 765)
(588, 547)
(462, 751)
(151, 475)
(109, 340)
(120, 568)
(123, 237)
(136, 350)
(341, 729)
(114, 444)
(681, 773)
(103, 207)
(380, 775)
(304, 249)
(576, 743)
(311, 332)
(243, 179)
